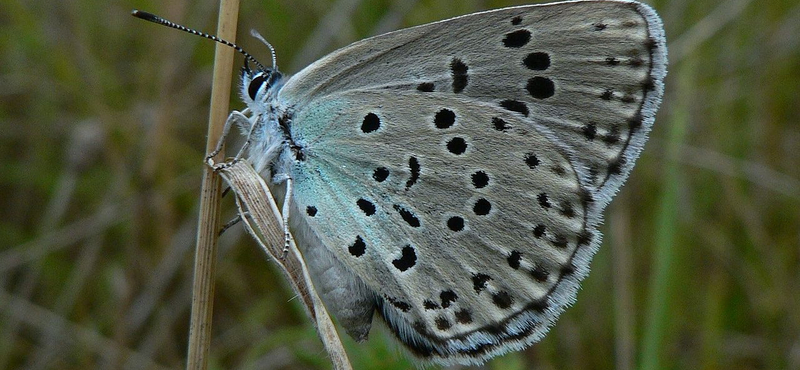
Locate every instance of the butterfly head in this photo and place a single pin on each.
(259, 85)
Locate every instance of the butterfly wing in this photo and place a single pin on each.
(591, 70)
(459, 168)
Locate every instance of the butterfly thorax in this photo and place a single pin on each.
(272, 145)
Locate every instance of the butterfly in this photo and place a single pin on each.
(451, 177)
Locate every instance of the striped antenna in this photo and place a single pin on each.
(156, 19)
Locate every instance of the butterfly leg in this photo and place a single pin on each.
(230, 224)
(240, 120)
(287, 203)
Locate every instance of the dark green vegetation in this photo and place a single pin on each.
(102, 124)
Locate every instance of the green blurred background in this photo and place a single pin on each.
(102, 125)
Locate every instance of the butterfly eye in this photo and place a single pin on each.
(255, 85)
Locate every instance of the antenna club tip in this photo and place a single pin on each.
(144, 15)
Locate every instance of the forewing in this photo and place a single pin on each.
(590, 71)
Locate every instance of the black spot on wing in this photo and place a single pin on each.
(479, 282)
(407, 260)
(515, 106)
(370, 123)
(413, 169)
(517, 39)
(537, 61)
(358, 248)
(426, 87)
(458, 71)
(407, 216)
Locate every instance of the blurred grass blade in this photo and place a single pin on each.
(662, 283)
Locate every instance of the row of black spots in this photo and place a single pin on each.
(612, 137)
(371, 123)
(457, 145)
(616, 165)
(426, 87)
(636, 61)
(559, 241)
(430, 305)
(539, 273)
(558, 170)
(482, 207)
(409, 217)
(532, 160)
(514, 259)
(543, 200)
(414, 170)
(567, 269)
(407, 260)
(628, 98)
(447, 297)
(400, 305)
(630, 24)
(463, 316)
(541, 87)
(517, 39)
(366, 206)
(480, 179)
(458, 70)
(502, 299)
(442, 323)
(537, 61)
(515, 106)
(380, 174)
(539, 230)
(600, 26)
(479, 281)
(500, 124)
(358, 248)
(566, 209)
(539, 305)
(311, 211)
(455, 223)
(589, 131)
(444, 118)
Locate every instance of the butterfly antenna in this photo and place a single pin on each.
(156, 19)
(257, 35)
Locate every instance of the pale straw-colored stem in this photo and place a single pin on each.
(208, 225)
